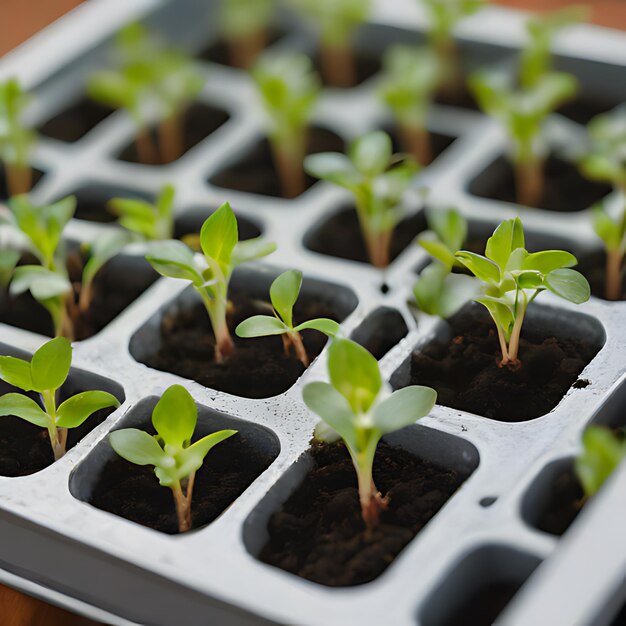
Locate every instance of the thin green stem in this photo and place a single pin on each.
(58, 436)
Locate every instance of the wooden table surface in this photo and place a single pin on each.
(19, 19)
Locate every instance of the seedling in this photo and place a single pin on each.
(151, 81)
(44, 374)
(446, 234)
(444, 16)
(360, 407)
(54, 283)
(284, 293)
(606, 161)
(514, 277)
(523, 106)
(176, 460)
(149, 221)
(210, 273)
(16, 141)
(245, 24)
(411, 78)
(336, 22)
(289, 89)
(377, 179)
(602, 452)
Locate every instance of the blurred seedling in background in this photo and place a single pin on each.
(605, 161)
(378, 180)
(514, 277)
(16, 140)
(359, 407)
(44, 374)
(443, 17)
(245, 25)
(289, 89)
(336, 21)
(175, 459)
(523, 105)
(284, 293)
(437, 290)
(63, 283)
(602, 452)
(151, 82)
(210, 273)
(150, 221)
(411, 77)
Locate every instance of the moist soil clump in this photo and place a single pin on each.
(566, 190)
(258, 368)
(466, 374)
(319, 534)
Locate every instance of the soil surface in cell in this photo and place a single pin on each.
(258, 368)
(563, 503)
(76, 121)
(340, 236)
(466, 373)
(198, 122)
(25, 448)
(4, 191)
(115, 287)
(254, 172)
(380, 332)
(483, 606)
(566, 190)
(133, 491)
(583, 110)
(593, 267)
(319, 534)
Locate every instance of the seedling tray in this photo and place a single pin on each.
(59, 547)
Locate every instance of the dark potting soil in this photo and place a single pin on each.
(483, 606)
(133, 491)
(319, 534)
(77, 120)
(381, 331)
(566, 190)
(465, 372)
(340, 236)
(219, 50)
(593, 267)
(365, 66)
(198, 122)
(583, 110)
(438, 142)
(461, 97)
(115, 288)
(258, 368)
(254, 172)
(563, 503)
(4, 190)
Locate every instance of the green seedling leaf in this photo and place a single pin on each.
(261, 326)
(403, 408)
(138, 447)
(175, 417)
(16, 372)
(191, 458)
(16, 140)
(8, 261)
(371, 153)
(219, 236)
(251, 250)
(22, 406)
(334, 167)
(174, 260)
(508, 237)
(569, 285)
(480, 266)
(50, 365)
(549, 260)
(448, 231)
(42, 283)
(284, 292)
(75, 410)
(324, 325)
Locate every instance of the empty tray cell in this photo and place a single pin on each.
(461, 362)
(24, 447)
(109, 482)
(190, 221)
(76, 120)
(198, 122)
(566, 190)
(254, 171)
(339, 235)
(479, 588)
(178, 337)
(380, 331)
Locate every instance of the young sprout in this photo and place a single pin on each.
(411, 77)
(515, 277)
(444, 15)
(44, 374)
(16, 141)
(377, 179)
(245, 24)
(360, 407)
(53, 283)
(289, 89)
(152, 222)
(438, 291)
(602, 452)
(176, 460)
(150, 81)
(210, 273)
(606, 161)
(284, 292)
(336, 22)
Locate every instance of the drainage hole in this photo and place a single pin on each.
(488, 501)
